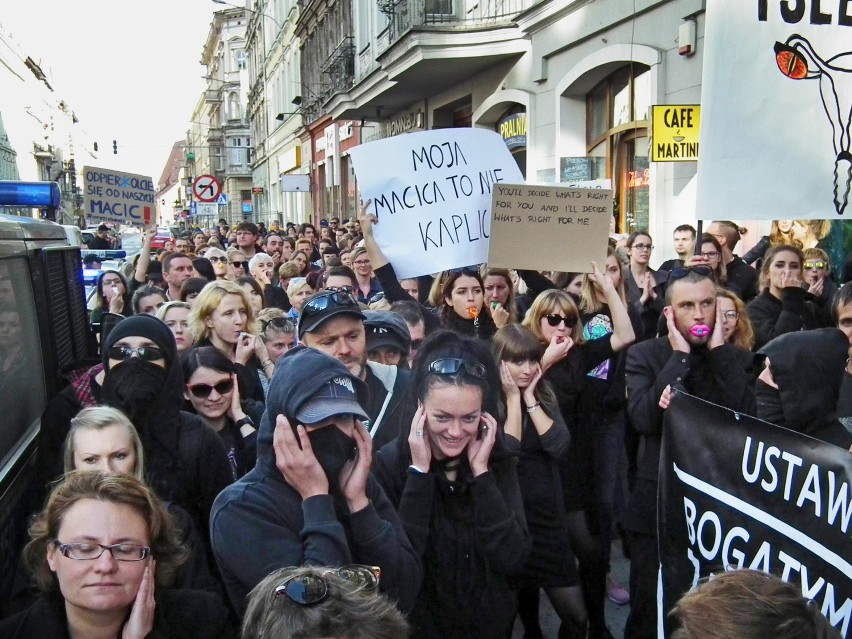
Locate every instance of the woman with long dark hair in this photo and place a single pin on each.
(463, 302)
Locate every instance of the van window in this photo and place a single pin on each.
(22, 399)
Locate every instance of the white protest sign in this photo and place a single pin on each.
(431, 191)
(776, 104)
(549, 227)
(118, 197)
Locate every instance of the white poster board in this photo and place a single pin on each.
(776, 107)
(114, 196)
(431, 191)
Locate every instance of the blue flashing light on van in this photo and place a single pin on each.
(33, 194)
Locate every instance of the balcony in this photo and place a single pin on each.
(340, 66)
(431, 46)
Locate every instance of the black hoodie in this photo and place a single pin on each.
(261, 523)
(808, 367)
(185, 461)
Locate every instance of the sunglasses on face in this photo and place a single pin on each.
(202, 391)
(239, 264)
(555, 320)
(148, 353)
(307, 590)
(218, 259)
(814, 265)
(279, 323)
(339, 289)
(453, 366)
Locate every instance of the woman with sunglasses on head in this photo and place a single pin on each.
(222, 316)
(315, 602)
(454, 483)
(555, 320)
(112, 296)
(213, 395)
(645, 292)
(782, 306)
(102, 553)
(535, 429)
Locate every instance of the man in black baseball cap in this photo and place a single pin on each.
(388, 338)
(311, 500)
(332, 322)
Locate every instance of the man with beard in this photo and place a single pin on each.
(692, 357)
(332, 322)
(185, 461)
(311, 500)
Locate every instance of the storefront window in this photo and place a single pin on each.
(617, 130)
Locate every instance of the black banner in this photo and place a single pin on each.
(737, 492)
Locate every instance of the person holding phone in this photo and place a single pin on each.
(310, 499)
(454, 482)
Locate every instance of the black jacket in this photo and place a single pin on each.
(470, 535)
(261, 523)
(395, 293)
(179, 613)
(722, 376)
(742, 279)
(482, 327)
(771, 317)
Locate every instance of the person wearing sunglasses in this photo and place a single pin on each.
(213, 394)
(694, 357)
(102, 552)
(783, 305)
(318, 603)
(332, 322)
(817, 281)
(237, 264)
(453, 480)
(645, 286)
(310, 499)
(219, 259)
(222, 316)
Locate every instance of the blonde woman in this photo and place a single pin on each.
(175, 315)
(222, 316)
(298, 290)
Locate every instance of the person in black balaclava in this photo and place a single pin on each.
(800, 385)
(185, 460)
(311, 499)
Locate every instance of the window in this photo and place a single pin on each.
(234, 111)
(240, 58)
(617, 135)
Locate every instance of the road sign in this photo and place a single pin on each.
(222, 199)
(209, 209)
(192, 209)
(206, 188)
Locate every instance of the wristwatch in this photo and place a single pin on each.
(244, 421)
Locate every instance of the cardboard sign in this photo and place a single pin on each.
(549, 227)
(675, 132)
(431, 191)
(736, 492)
(117, 197)
(776, 99)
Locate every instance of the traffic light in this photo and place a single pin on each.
(114, 147)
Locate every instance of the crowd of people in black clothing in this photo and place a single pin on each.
(285, 438)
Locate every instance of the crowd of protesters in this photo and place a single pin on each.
(283, 439)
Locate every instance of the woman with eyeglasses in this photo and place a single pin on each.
(535, 429)
(644, 285)
(782, 306)
(212, 393)
(735, 321)
(102, 552)
(112, 296)
(175, 315)
(453, 480)
(102, 439)
(322, 602)
(568, 356)
(366, 284)
(222, 316)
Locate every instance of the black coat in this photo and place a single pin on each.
(722, 376)
(772, 317)
(179, 613)
(742, 279)
(470, 534)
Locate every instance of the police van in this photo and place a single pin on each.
(44, 334)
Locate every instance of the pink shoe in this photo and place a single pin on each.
(616, 592)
